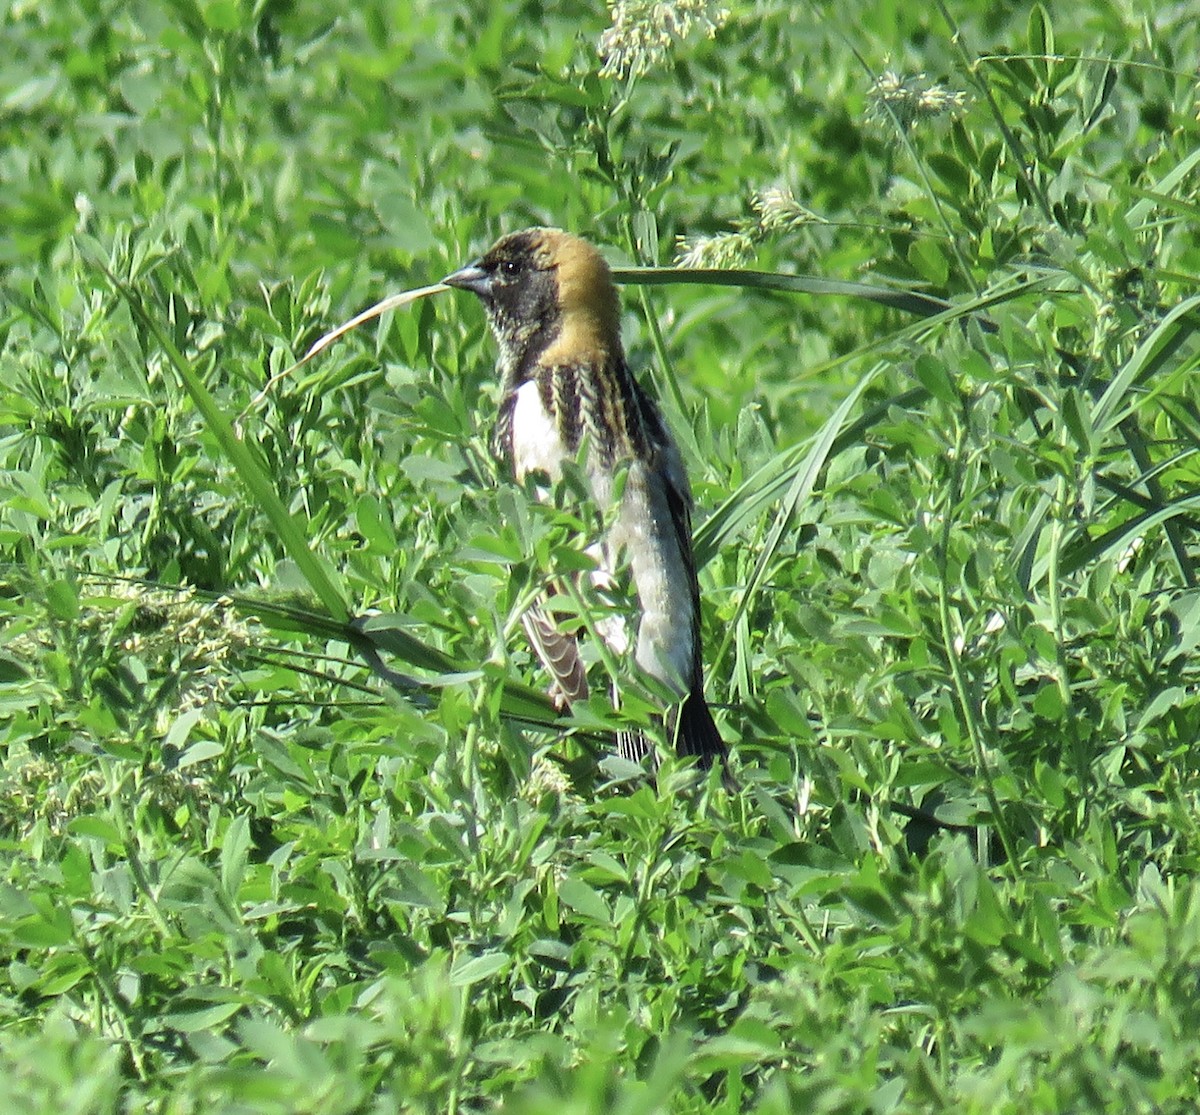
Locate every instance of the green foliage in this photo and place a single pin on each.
(260, 856)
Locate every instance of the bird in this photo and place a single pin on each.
(565, 383)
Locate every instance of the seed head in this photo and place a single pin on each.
(643, 31)
(908, 100)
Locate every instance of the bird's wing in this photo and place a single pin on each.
(679, 504)
(559, 653)
(693, 728)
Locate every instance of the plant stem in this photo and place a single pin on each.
(966, 702)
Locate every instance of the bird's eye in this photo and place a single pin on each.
(509, 267)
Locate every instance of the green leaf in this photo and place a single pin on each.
(935, 378)
(62, 600)
(204, 1018)
(235, 847)
(581, 898)
(1041, 39)
(474, 969)
(181, 728)
(97, 828)
(200, 752)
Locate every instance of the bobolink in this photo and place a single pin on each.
(553, 309)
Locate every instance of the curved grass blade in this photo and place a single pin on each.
(387, 632)
(1162, 343)
(803, 481)
(743, 505)
(1083, 553)
(391, 302)
(934, 312)
(369, 635)
(924, 305)
(1141, 209)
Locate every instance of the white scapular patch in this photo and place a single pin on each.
(536, 445)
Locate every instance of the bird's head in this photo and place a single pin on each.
(543, 287)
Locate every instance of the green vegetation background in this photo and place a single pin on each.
(949, 564)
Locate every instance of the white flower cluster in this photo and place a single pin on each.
(908, 100)
(776, 209)
(643, 31)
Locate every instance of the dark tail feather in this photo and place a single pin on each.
(693, 730)
(696, 733)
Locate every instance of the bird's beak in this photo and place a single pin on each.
(473, 278)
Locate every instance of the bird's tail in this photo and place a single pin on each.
(692, 728)
(696, 733)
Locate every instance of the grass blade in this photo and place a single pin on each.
(803, 481)
(909, 301)
(1163, 341)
